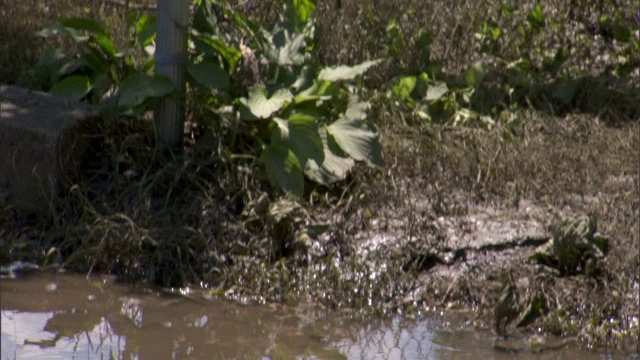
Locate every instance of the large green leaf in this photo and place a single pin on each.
(299, 12)
(318, 99)
(213, 45)
(264, 107)
(436, 91)
(404, 87)
(318, 109)
(209, 74)
(357, 139)
(146, 30)
(138, 87)
(335, 166)
(344, 72)
(106, 45)
(304, 79)
(283, 168)
(101, 87)
(95, 59)
(205, 19)
(356, 109)
(244, 113)
(300, 134)
(311, 101)
(285, 47)
(317, 90)
(85, 24)
(78, 36)
(73, 87)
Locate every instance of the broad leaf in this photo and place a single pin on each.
(85, 24)
(78, 36)
(284, 47)
(262, 107)
(357, 110)
(299, 12)
(435, 92)
(102, 87)
(209, 74)
(300, 134)
(316, 108)
(318, 99)
(358, 139)
(404, 87)
(205, 19)
(73, 87)
(94, 58)
(145, 30)
(137, 88)
(106, 45)
(344, 72)
(317, 90)
(304, 79)
(244, 113)
(336, 164)
(213, 45)
(283, 168)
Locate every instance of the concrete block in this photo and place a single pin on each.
(41, 145)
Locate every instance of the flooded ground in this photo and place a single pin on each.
(69, 316)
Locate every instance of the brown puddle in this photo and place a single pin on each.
(67, 316)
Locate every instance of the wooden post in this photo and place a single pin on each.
(170, 60)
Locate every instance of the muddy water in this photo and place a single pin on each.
(70, 316)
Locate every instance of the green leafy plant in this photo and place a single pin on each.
(429, 94)
(535, 54)
(442, 101)
(575, 246)
(114, 79)
(307, 121)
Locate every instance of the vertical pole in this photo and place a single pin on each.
(170, 61)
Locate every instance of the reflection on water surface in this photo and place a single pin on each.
(68, 316)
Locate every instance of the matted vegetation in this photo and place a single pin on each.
(475, 103)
